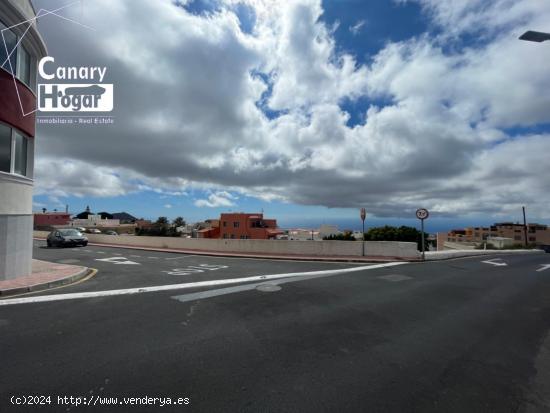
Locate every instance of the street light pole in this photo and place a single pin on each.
(524, 226)
(532, 36)
(363, 215)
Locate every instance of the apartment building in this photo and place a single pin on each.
(536, 234)
(242, 225)
(21, 49)
(45, 220)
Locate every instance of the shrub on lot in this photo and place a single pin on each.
(402, 233)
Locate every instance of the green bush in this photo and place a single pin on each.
(402, 233)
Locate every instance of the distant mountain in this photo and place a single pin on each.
(124, 217)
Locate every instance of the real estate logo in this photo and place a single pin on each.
(73, 97)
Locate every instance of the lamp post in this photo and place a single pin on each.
(532, 36)
(363, 215)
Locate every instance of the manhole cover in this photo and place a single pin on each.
(268, 288)
(395, 277)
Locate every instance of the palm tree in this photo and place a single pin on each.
(178, 222)
(162, 221)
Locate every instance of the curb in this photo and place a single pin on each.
(85, 272)
(256, 256)
(435, 258)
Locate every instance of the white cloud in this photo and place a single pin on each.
(188, 92)
(168, 206)
(217, 199)
(356, 28)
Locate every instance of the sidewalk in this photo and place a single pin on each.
(44, 275)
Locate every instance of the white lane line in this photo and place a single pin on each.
(100, 252)
(128, 291)
(153, 258)
(543, 267)
(135, 256)
(178, 258)
(246, 287)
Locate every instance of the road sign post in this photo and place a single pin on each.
(363, 216)
(422, 214)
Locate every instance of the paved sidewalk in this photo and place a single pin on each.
(44, 275)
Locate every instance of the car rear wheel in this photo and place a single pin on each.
(84, 244)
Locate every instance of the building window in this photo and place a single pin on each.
(517, 238)
(13, 151)
(24, 67)
(10, 64)
(20, 61)
(236, 224)
(5, 148)
(20, 155)
(224, 223)
(232, 236)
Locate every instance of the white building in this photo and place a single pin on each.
(95, 221)
(500, 242)
(25, 47)
(299, 234)
(327, 230)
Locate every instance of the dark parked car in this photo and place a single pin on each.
(66, 237)
(110, 232)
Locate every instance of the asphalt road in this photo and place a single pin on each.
(455, 336)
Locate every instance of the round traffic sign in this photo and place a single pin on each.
(422, 213)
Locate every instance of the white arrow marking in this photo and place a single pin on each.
(118, 260)
(492, 262)
(543, 267)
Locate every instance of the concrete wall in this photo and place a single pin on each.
(15, 246)
(313, 248)
(15, 195)
(15, 226)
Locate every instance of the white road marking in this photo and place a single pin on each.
(190, 269)
(128, 291)
(543, 267)
(177, 258)
(135, 256)
(100, 252)
(498, 262)
(118, 260)
(153, 258)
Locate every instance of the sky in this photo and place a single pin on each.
(307, 110)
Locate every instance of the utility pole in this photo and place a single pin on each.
(524, 226)
(363, 215)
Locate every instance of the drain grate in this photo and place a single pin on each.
(268, 288)
(395, 277)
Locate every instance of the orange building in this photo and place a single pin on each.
(242, 226)
(536, 234)
(47, 219)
